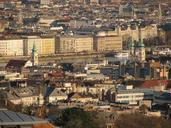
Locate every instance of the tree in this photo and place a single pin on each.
(76, 118)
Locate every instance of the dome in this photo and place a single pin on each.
(141, 44)
(131, 45)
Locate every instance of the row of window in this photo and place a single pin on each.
(135, 96)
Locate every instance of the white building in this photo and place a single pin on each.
(128, 95)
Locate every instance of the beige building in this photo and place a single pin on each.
(107, 43)
(149, 31)
(78, 43)
(48, 45)
(26, 96)
(44, 45)
(11, 47)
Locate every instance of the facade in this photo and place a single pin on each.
(107, 43)
(149, 31)
(66, 44)
(44, 2)
(129, 95)
(44, 45)
(25, 96)
(57, 95)
(48, 45)
(11, 47)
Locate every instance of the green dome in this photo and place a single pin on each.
(141, 44)
(131, 45)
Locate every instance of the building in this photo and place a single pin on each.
(44, 45)
(149, 31)
(45, 2)
(78, 97)
(57, 95)
(26, 96)
(11, 47)
(165, 33)
(75, 43)
(107, 43)
(129, 95)
(17, 65)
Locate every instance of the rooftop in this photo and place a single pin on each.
(8, 117)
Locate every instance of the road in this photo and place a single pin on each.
(56, 58)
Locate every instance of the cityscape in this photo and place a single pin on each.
(85, 64)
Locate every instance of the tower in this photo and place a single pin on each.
(142, 54)
(141, 46)
(34, 55)
(132, 48)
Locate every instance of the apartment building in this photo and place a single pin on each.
(44, 45)
(76, 43)
(107, 43)
(11, 47)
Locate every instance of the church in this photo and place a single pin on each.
(137, 48)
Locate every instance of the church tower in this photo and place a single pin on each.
(132, 48)
(141, 46)
(142, 52)
(34, 55)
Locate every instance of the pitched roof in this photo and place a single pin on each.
(57, 92)
(16, 64)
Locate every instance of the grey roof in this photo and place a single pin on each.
(135, 90)
(8, 117)
(57, 92)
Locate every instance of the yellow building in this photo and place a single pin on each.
(107, 43)
(44, 45)
(48, 45)
(76, 43)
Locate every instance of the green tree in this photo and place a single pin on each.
(76, 118)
